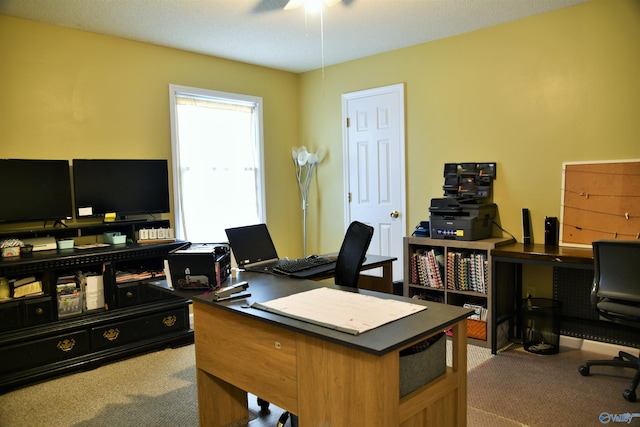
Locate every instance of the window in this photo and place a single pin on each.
(218, 166)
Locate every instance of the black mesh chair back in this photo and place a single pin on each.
(352, 254)
(616, 297)
(616, 283)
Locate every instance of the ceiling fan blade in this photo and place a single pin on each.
(292, 4)
(269, 5)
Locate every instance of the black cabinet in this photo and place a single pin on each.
(36, 343)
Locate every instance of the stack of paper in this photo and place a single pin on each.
(27, 287)
(349, 312)
(480, 312)
(94, 289)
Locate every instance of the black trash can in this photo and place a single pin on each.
(541, 325)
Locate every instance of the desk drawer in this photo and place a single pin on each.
(38, 311)
(128, 294)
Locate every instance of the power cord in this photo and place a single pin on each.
(502, 229)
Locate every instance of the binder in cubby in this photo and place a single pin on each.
(429, 267)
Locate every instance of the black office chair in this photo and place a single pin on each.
(616, 297)
(352, 254)
(347, 271)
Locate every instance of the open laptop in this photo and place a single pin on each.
(253, 248)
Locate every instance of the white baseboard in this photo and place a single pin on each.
(595, 346)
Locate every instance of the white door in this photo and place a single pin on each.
(374, 172)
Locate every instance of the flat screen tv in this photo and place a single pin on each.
(35, 190)
(120, 186)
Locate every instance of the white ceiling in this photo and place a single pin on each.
(261, 32)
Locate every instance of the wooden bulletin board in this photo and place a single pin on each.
(600, 200)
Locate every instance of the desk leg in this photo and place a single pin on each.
(506, 291)
(219, 403)
(517, 303)
(459, 365)
(379, 284)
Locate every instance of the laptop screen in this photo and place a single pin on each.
(251, 244)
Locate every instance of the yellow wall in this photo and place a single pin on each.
(72, 94)
(531, 94)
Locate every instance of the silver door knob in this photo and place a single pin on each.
(395, 214)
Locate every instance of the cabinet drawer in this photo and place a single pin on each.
(115, 334)
(43, 351)
(128, 294)
(9, 316)
(38, 311)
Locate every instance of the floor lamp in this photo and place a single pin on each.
(305, 164)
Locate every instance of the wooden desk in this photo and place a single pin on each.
(382, 283)
(326, 377)
(541, 254)
(573, 274)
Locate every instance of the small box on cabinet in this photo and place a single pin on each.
(65, 244)
(114, 238)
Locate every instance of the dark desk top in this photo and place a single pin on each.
(326, 271)
(519, 252)
(265, 287)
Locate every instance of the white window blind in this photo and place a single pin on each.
(217, 163)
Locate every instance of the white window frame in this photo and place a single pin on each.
(254, 101)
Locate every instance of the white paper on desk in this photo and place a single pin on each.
(341, 310)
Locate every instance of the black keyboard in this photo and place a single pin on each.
(301, 264)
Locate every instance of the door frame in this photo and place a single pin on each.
(346, 97)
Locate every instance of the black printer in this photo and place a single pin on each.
(466, 211)
(461, 219)
(200, 266)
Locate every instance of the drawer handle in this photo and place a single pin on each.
(67, 344)
(39, 311)
(129, 295)
(111, 334)
(170, 320)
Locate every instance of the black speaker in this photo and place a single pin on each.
(550, 231)
(527, 237)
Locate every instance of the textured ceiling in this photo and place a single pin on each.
(261, 32)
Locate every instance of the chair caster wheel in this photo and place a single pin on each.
(263, 404)
(283, 419)
(629, 395)
(584, 370)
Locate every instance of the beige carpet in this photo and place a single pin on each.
(517, 388)
(155, 389)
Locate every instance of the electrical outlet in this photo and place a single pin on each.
(530, 292)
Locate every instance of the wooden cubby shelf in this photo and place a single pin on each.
(453, 272)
